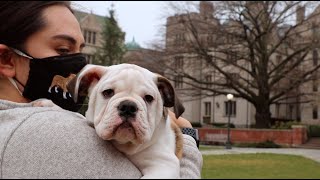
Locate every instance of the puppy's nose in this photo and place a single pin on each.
(127, 108)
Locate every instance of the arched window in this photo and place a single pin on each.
(315, 57)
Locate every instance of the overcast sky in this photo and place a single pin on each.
(139, 19)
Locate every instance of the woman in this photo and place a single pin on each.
(40, 39)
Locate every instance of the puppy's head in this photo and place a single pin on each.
(126, 102)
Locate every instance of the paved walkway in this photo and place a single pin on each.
(313, 154)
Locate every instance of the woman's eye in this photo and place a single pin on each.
(63, 51)
(108, 93)
(148, 98)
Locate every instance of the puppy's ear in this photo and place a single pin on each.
(88, 76)
(169, 96)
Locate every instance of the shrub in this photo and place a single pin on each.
(245, 145)
(196, 124)
(223, 125)
(265, 144)
(313, 131)
(284, 125)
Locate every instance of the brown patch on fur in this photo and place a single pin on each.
(178, 134)
(179, 139)
(62, 81)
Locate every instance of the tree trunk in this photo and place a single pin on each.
(263, 117)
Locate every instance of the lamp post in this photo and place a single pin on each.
(229, 97)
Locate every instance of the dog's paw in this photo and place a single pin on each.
(45, 103)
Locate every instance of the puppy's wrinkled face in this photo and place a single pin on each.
(125, 104)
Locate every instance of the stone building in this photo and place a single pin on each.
(213, 109)
(91, 26)
(199, 108)
(311, 33)
(207, 109)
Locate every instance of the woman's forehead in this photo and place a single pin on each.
(60, 21)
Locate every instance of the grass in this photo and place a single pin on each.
(257, 166)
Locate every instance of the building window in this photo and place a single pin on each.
(178, 82)
(233, 77)
(94, 37)
(277, 110)
(85, 35)
(211, 40)
(89, 58)
(291, 111)
(231, 57)
(207, 111)
(315, 31)
(179, 39)
(315, 112)
(208, 79)
(229, 38)
(89, 36)
(315, 57)
(178, 62)
(230, 108)
(314, 85)
(279, 58)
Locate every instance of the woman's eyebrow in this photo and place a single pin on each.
(67, 38)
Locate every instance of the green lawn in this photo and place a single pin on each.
(257, 166)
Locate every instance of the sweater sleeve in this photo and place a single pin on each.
(60, 145)
(191, 162)
(51, 144)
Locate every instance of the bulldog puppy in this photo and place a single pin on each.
(128, 106)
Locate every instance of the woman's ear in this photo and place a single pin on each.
(7, 65)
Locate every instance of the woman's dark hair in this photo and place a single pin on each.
(21, 19)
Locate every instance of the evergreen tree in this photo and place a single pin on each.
(113, 46)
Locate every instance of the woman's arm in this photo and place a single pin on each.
(191, 162)
(181, 122)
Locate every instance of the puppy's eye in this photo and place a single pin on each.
(108, 93)
(148, 98)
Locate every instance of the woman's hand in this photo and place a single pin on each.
(181, 122)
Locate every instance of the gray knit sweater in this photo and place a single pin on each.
(41, 142)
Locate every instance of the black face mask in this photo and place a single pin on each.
(42, 73)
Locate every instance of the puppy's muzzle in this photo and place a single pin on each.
(127, 109)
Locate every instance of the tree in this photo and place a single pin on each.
(257, 50)
(113, 47)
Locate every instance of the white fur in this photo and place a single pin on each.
(150, 144)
